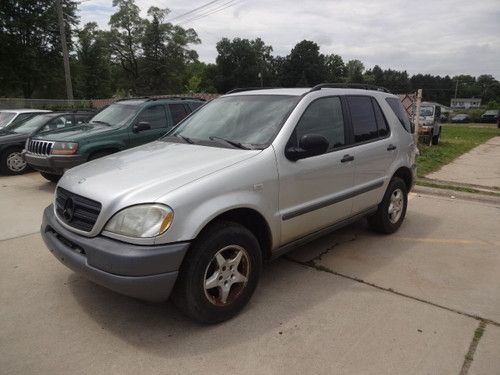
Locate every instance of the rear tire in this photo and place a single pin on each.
(51, 177)
(392, 210)
(11, 162)
(219, 274)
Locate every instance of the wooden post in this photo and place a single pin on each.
(417, 114)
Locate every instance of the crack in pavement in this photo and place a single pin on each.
(317, 267)
(19, 236)
(469, 357)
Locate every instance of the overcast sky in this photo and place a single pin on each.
(425, 36)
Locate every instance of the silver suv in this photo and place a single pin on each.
(246, 178)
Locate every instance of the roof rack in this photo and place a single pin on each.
(242, 89)
(361, 86)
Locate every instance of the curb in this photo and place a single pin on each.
(457, 194)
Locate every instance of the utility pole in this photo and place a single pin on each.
(67, 72)
(456, 88)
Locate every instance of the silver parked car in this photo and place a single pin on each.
(244, 179)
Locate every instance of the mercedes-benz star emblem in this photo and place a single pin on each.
(69, 209)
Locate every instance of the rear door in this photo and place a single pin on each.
(155, 116)
(375, 148)
(314, 192)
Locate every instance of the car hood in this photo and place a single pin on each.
(7, 137)
(145, 173)
(75, 133)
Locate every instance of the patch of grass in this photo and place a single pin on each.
(455, 141)
(464, 189)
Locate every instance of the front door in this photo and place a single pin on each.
(156, 117)
(314, 192)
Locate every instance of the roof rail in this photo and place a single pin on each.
(362, 86)
(133, 98)
(242, 89)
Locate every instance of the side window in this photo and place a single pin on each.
(59, 122)
(155, 116)
(400, 112)
(383, 128)
(178, 112)
(195, 105)
(324, 117)
(363, 118)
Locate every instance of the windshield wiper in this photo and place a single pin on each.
(232, 143)
(101, 122)
(188, 140)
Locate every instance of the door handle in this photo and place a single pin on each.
(347, 158)
(391, 147)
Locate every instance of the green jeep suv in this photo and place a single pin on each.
(123, 124)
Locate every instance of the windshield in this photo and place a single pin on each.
(115, 115)
(251, 120)
(29, 126)
(426, 111)
(5, 117)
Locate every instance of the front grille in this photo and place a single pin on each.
(77, 211)
(40, 147)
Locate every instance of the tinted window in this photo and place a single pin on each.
(155, 116)
(383, 128)
(178, 112)
(195, 105)
(363, 118)
(324, 117)
(400, 112)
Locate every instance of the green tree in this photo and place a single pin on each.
(127, 28)
(30, 53)
(335, 67)
(93, 79)
(166, 54)
(239, 63)
(355, 70)
(305, 66)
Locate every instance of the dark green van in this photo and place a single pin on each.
(121, 125)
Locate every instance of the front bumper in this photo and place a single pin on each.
(144, 272)
(54, 164)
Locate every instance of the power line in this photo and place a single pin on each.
(224, 6)
(194, 10)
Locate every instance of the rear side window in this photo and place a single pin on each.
(383, 127)
(399, 111)
(195, 105)
(178, 112)
(364, 122)
(323, 117)
(154, 116)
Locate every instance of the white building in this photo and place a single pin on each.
(465, 103)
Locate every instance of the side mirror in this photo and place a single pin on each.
(309, 145)
(141, 126)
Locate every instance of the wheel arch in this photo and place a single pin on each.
(253, 221)
(406, 175)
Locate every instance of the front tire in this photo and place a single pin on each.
(392, 210)
(51, 177)
(11, 162)
(219, 274)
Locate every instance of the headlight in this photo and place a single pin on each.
(145, 221)
(64, 148)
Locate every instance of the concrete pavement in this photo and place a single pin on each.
(480, 166)
(349, 303)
